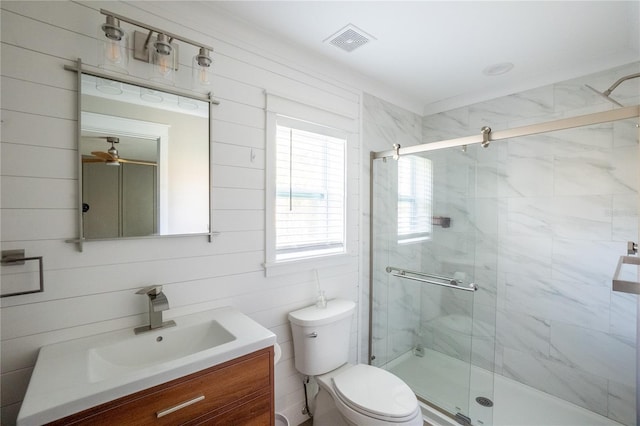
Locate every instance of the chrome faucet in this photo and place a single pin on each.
(157, 304)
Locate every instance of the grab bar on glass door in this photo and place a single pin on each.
(422, 274)
(450, 282)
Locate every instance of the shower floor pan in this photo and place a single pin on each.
(443, 380)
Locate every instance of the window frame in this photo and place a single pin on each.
(318, 251)
(339, 125)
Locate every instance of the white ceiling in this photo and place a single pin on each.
(434, 52)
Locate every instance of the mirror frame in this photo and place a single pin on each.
(79, 70)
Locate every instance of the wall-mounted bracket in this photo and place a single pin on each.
(445, 222)
(141, 51)
(16, 258)
(486, 133)
(624, 286)
(396, 149)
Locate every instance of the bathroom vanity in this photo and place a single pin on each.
(213, 367)
(236, 392)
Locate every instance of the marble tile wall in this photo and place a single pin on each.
(396, 302)
(538, 223)
(541, 222)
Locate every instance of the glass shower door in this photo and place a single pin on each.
(423, 262)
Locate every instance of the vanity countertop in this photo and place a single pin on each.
(79, 374)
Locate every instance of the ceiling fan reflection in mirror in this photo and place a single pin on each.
(111, 157)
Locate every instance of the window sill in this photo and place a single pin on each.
(272, 269)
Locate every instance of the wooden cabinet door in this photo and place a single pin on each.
(239, 392)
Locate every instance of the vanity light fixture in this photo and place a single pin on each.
(163, 59)
(201, 66)
(112, 45)
(160, 51)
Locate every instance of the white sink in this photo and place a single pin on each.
(72, 376)
(144, 350)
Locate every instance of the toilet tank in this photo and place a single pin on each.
(321, 336)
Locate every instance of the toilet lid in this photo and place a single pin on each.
(376, 391)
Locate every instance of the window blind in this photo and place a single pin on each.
(310, 192)
(414, 198)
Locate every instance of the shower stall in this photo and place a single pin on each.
(492, 258)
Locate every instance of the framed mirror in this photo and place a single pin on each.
(144, 159)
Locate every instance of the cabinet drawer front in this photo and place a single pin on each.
(256, 412)
(183, 400)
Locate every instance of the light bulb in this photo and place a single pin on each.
(203, 76)
(113, 53)
(163, 59)
(164, 65)
(201, 66)
(112, 46)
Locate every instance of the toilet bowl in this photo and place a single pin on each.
(365, 395)
(349, 395)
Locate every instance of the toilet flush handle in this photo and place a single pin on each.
(312, 335)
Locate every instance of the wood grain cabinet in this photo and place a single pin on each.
(238, 392)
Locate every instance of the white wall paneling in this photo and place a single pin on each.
(43, 193)
(41, 162)
(37, 130)
(93, 291)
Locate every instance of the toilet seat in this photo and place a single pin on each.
(375, 393)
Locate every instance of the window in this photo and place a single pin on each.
(310, 190)
(311, 148)
(414, 199)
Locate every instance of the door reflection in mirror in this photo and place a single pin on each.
(145, 165)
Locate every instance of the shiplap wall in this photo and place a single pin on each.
(93, 291)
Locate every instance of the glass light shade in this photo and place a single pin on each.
(151, 95)
(112, 46)
(111, 87)
(201, 67)
(163, 59)
(187, 103)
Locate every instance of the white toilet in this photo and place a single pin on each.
(360, 395)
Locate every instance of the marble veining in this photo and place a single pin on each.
(524, 333)
(568, 301)
(605, 355)
(591, 263)
(500, 111)
(539, 223)
(621, 403)
(447, 125)
(624, 311)
(625, 133)
(385, 115)
(552, 377)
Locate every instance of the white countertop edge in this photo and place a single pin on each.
(32, 413)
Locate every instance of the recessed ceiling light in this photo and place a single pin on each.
(498, 69)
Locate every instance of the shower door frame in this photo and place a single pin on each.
(485, 137)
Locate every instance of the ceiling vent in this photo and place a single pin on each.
(349, 38)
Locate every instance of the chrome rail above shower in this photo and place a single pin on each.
(427, 278)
